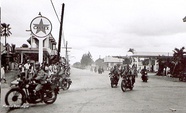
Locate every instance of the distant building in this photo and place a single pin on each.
(111, 61)
(138, 59)
(150, 57)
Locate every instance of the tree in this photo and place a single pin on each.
(161, 64)
(131, 50)
(77, 65)
(5, 30)
(178, 59)
(86, 59)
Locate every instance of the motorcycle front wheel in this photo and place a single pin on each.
(123, 86)
(65, 85)
(49, 96)
(14, 98)
(113, 84)
(131, 87)
(144, 79)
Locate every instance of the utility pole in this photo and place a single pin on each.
(60, 32)
(66, 52)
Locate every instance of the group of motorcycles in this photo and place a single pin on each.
(128, 80)
(65, 83)
(22, 90)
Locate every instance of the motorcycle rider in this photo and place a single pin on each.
(128, 72)
(61, 72)
(40, 77)
(143, 71)
(115, 71)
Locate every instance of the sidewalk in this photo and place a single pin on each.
(153, 75)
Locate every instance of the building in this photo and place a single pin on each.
(151, 58)
(49, 50)
(112, 60)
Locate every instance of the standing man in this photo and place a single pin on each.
(3, 74)
(27, 66)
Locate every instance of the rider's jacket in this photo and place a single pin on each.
(115, 71)
(40, 76)
(143, 71)
(61, 71)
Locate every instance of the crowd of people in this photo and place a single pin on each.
(41, 71)
(31, 69)
(121, 70)
(124, 70)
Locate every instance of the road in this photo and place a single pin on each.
(91, 93)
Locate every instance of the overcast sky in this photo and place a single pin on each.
(103, 27)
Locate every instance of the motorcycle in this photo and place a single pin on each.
(144, 76)
(22, 91)
(100, 70)
(65, 83)
(127, 82)
(114, 80)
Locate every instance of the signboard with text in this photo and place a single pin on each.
(41, 27)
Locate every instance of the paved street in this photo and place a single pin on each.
(91, 93)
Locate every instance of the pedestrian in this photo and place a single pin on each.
(26, 67)
(3, 74)
(21, 70)
(16, 66)
(31, 70)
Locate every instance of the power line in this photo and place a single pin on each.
(55, 11)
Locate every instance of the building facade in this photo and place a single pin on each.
(49, 50)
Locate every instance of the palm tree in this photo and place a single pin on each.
(178, 60)
(5, 30)
(131, 50)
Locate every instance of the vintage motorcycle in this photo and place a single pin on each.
(100, 70)
(127, 82)
(113, 79)
(22, 91)
(144, 76)
(65, 83)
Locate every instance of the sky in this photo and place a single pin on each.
(102, 27)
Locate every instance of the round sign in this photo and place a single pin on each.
(41, 27)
